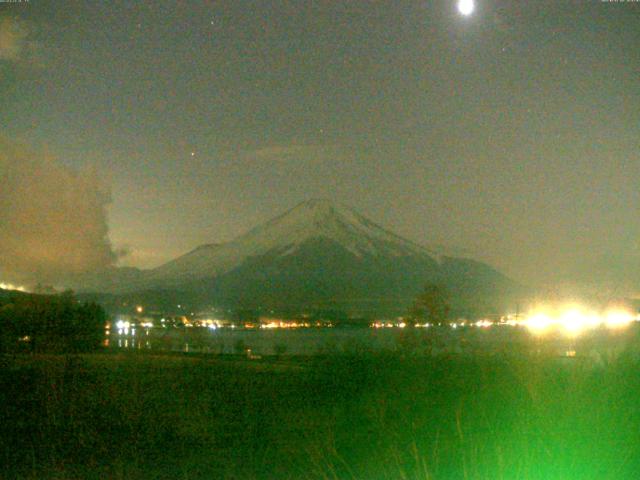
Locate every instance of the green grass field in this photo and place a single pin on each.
(342, 417)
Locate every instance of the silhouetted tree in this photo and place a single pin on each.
(51, 323)
(431, 305)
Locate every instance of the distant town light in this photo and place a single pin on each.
(574, 320)
(10, 286)
(538, 323)
(122, 324)
(618, 319)
(483, 323)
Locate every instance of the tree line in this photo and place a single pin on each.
(49, 323)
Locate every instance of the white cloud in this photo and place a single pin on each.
(53, 220)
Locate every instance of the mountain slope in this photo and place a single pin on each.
(316, 256)
(286, 233)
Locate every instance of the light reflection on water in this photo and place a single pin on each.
(312, 341)
(131, 342)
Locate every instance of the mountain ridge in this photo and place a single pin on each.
(309, 219)
(313, 252)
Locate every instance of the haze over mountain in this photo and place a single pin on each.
(317, 256)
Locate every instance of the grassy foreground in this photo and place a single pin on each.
(343, 417)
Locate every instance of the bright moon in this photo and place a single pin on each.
(466, 7)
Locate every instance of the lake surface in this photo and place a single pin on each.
(315, 341)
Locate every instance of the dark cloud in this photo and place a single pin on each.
(53, 220)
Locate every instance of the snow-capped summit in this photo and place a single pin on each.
(320, 218)
(313, 219)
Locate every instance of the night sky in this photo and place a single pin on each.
(511, 134)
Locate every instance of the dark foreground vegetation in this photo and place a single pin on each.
(344, 417)
(49, 323)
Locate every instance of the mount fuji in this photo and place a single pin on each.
(318, 256)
